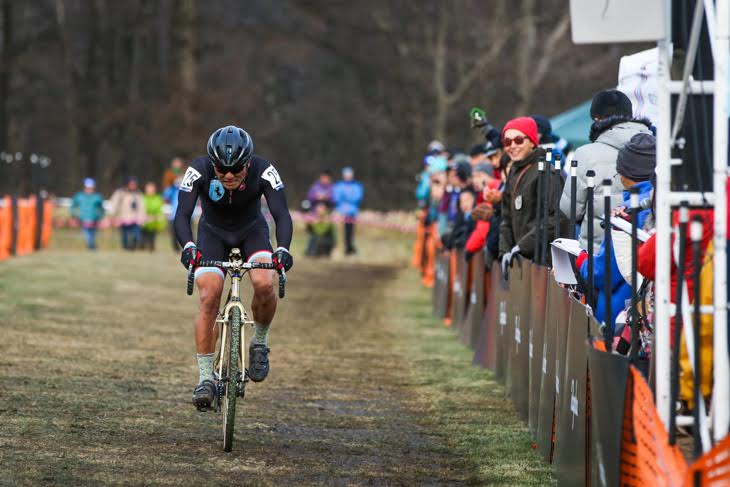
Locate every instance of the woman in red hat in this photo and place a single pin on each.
(518, 230)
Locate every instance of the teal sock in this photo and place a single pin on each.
(261, 334)
(205, 366)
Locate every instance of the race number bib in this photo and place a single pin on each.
(272, 176)
(191, 175)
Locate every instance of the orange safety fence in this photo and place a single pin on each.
(6, 227)
(47, 226)
(452, 275)
(428, 265)
(646, 456)
(419, 244)
(712, 468)
(27, 216)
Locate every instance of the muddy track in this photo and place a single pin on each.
(96, 377)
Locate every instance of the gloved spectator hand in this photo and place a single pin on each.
(482, 211)
(282, 259)
(506, 261)
(190, 255)
(582, 257)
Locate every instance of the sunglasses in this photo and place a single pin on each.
(519, 140)
(233, 170)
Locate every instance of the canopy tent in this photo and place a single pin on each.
(574, 125)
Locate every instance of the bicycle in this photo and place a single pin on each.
(231, 357)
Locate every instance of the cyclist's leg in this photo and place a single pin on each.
(257, 248)
(210, 286)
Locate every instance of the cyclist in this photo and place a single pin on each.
(230, 181)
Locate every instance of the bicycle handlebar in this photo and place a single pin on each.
(245, 265)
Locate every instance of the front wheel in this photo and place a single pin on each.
(229, 396)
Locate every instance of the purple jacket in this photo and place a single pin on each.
(319, 192)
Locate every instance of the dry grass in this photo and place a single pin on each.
(97, 366)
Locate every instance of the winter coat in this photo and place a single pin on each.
(170, 196)
(478, 238)
(155, 221)
(519, 224)
(600, 156)
(88, 208)
(320, 193)
(620, 290)
(348, 196)
(127, 207)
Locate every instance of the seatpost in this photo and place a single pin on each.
(608, 327)
(573, 196)
(546, 208)
(696, 236)
(540, 191)
(556, 174)
(591, 180)
(634, 203)
(678, 320)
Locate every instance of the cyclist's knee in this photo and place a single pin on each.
(210, 293)
(263, 284)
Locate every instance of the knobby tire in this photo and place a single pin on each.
(229, 406)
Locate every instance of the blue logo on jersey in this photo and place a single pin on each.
(216, 191)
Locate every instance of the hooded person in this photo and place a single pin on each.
(613, 126)
(519, 226)
(635, 165)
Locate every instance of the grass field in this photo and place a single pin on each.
(97, 366)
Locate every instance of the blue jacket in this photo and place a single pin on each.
(620, 289)
(87, 207)
(348, 196)
(170, 195)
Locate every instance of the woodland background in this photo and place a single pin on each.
(108, 89)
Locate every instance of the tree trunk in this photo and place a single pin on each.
(5, 72)
(187, 62)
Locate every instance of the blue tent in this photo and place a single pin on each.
(574, 125)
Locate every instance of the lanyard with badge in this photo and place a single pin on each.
(518, 198)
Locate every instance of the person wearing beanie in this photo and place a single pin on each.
(613, 126)
(87, 208)
(347, 195)
(635, 165)
(546, 138)
(518, 228)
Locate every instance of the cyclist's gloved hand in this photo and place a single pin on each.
(190, 255)
(282, 259)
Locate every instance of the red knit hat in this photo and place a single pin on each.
(526, 125)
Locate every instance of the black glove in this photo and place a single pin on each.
(190, 255)
(468, 255)
(282, 259)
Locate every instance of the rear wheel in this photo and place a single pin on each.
(229, 396)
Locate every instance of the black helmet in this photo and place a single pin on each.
(230, 148)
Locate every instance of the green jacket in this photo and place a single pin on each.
(155, 221)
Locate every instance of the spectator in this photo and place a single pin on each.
(348, 195)
(321, 190)
(613, 126)
(518, 229)
(169, 195)
(155, 220)
(87, 207)
(321, 233)
(547, 139)
(458, 177)
(635, 165)
(127, 209)
(435, 161)
(175, 171)
(464, 224)
(478, 154)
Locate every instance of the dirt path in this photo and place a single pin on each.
(96, 371)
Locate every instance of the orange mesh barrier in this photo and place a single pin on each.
(26, 226)
(47, 225)
(646, 457)
(452, 275)
(712, 468)
(6, 227)
(429, 263)
(419, 244)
